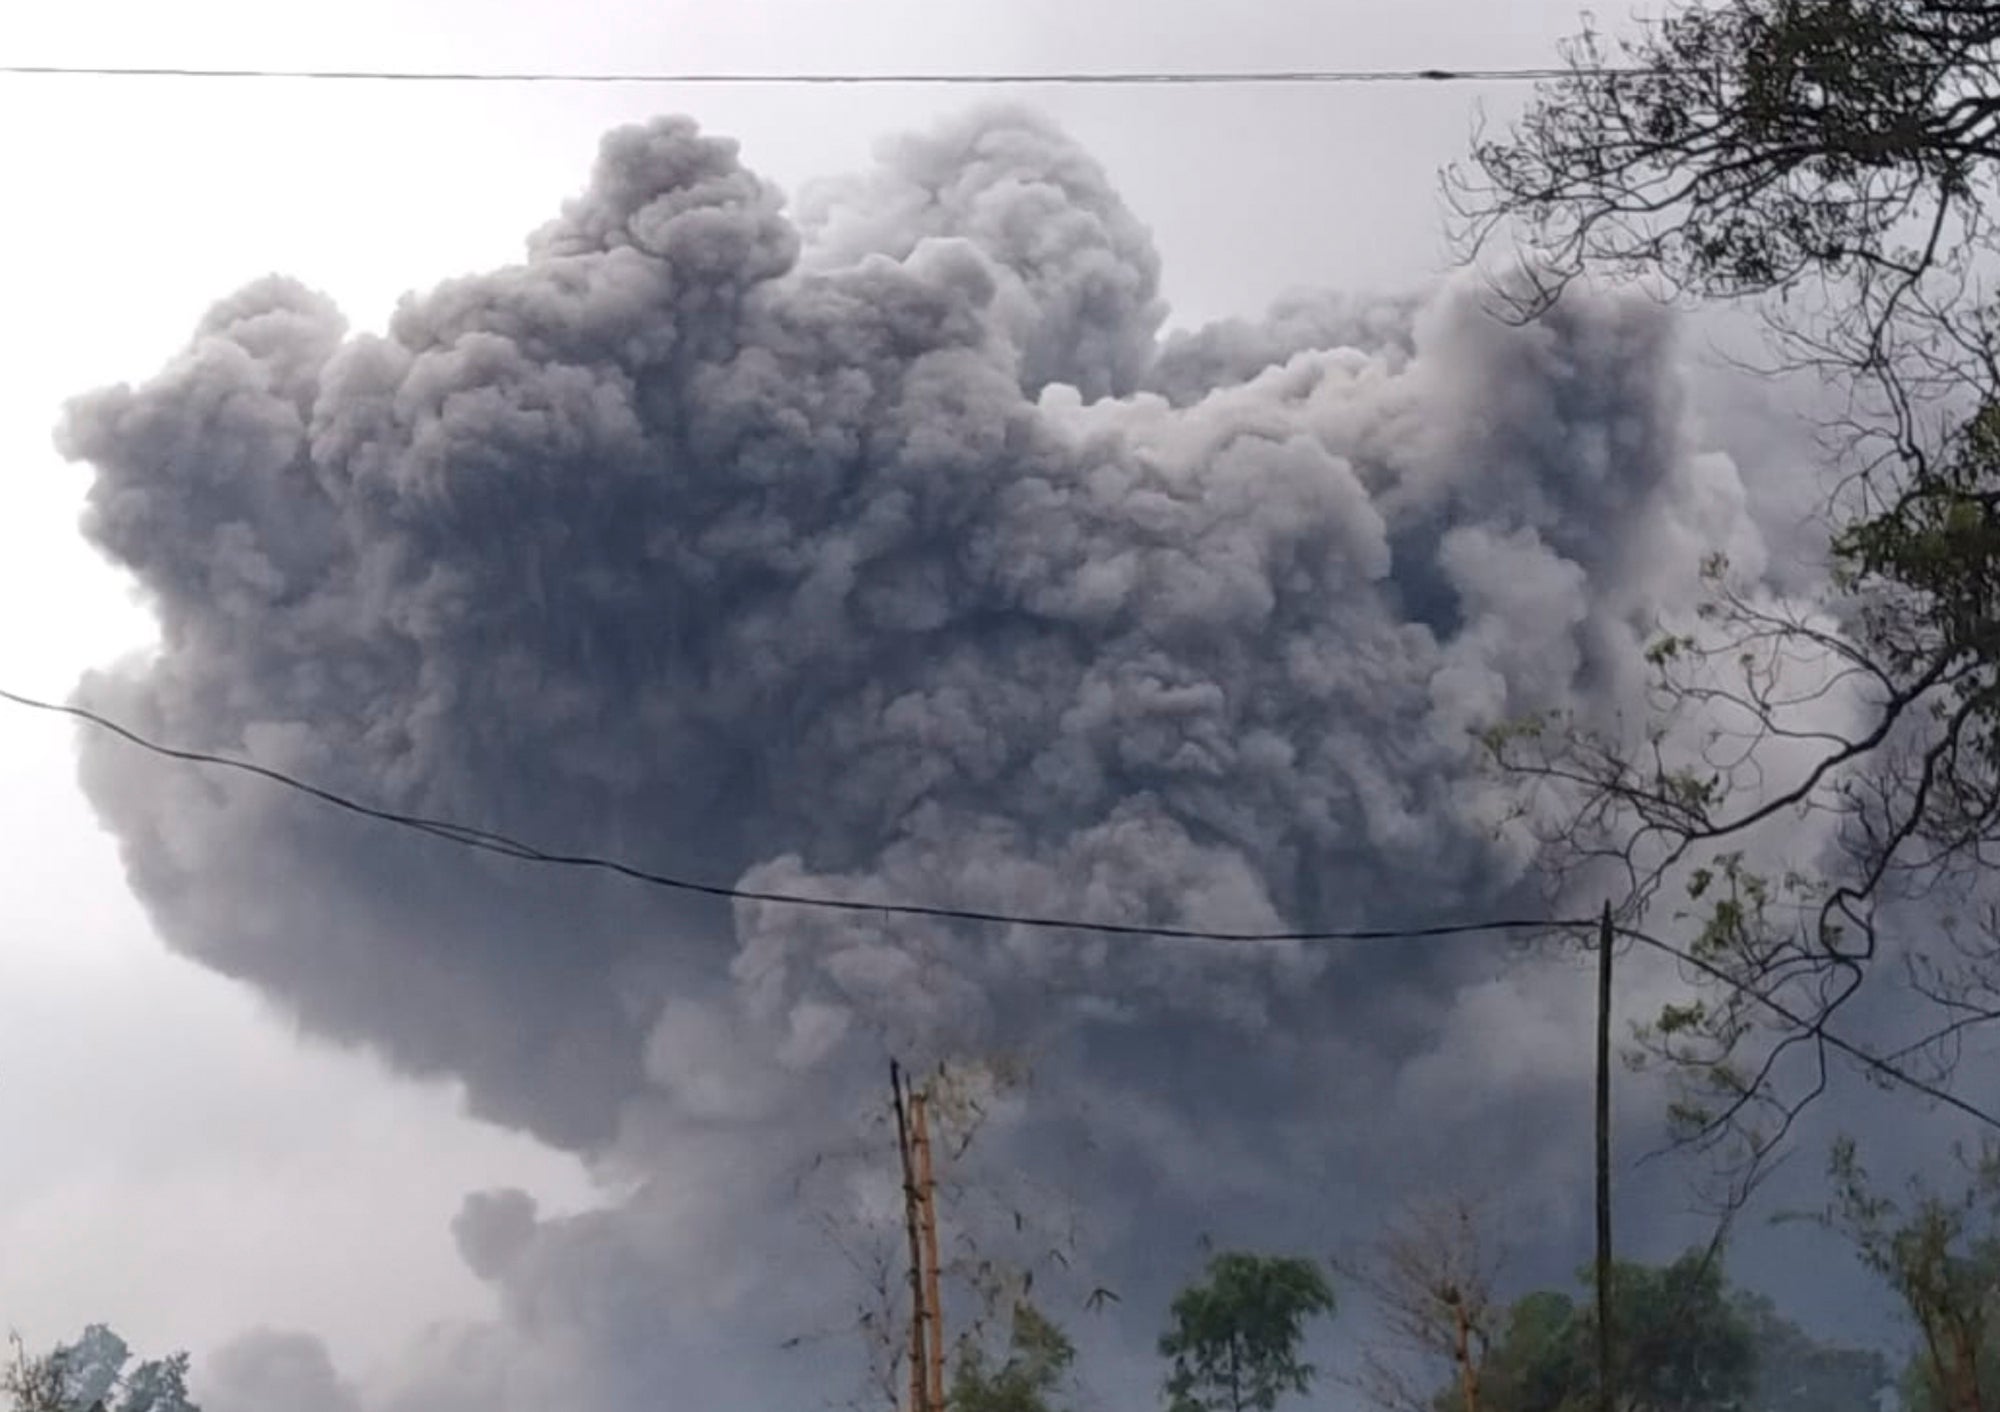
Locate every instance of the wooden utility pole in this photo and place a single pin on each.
(920, 1140)
(920, 1383)
(1605, 1398)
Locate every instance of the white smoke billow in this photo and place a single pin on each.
(884, 550)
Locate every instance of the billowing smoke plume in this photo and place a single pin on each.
(884, 550)
(265, 1369)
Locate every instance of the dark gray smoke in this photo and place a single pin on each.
(886, 551)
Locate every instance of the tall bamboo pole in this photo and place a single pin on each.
(920, 1139)
(913, 1224)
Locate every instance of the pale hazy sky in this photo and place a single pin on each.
(180, 1164)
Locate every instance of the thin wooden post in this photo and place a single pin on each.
(1605, 1399)
(920, 1142)
(913, 1224)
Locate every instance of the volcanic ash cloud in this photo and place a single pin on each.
(884, 548)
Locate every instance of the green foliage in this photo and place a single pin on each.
(1676, 1018)
(1541, 1361)
(1496, 739)
(91, 1375)
(1797, 1373)
(1942, 1257)
(1039, 1356)
(1937, 544)
(1666, 649)
(1923, 1390)
(1680, 1345)
(1234, 1340)
(1738, 915)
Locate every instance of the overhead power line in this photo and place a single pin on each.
(508, 847)
(1805, 1028)
(1072, 78)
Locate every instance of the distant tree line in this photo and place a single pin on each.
(1686, 1340)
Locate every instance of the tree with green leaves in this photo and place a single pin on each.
(1798, 1373)
(1540, 1363)
(95, 1374)
(1831, 164)
(1234, 1338)
(1681, 1345)
(1029, 1379)
(1685, 1342)
(1941, 1255)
